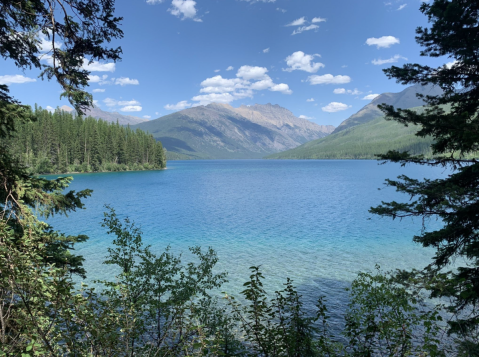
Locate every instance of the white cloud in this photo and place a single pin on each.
(92, 78)
(310, 100)
(266, 50)
(98, 67)
(50, 109)
(335, 107)
(281, 10)
(110, 102)
(328, 79)
(298, 22)
(401, 7)
(15, 79)
(123, 81)
(157, 113)
(370, 96)
(244, 93)
(450, 64)
(185, 8)
(131, 108)
(95, 103)
(178, 106)
(282, 88)
(302, 62)
(45, 57)
(349, 91)
(153, 2)
(230, 68)
(147, 116)
(252, 73)
(98, 90)
(317, 19)
(304, 28)
(301, 23)
(129, 102)
(222, 85)
(217, 70)
(248, 79)
(46, 45)
(206, 99)
(382, 42)
(305, 117)
(263, 84)
(393, 59)
(91, 67)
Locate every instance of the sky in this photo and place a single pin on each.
(322, 60)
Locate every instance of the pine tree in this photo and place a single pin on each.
(36, 263)
(454, 33)
(81, 144)
(95, 149)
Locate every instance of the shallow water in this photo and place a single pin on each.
(307, 220)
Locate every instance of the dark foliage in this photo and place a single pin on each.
(81, 26)
(61, 142)
(454, 32)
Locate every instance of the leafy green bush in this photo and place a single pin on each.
(385, 319)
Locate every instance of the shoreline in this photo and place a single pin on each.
(94, 172)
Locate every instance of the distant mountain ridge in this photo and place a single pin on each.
(363, 141)
(366, 133)
(220, 131)
(281, 118)
(111, 117)
(404, 100)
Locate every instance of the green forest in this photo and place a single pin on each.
(61, 142)
(364, 141)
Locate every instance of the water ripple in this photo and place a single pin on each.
(307, 220)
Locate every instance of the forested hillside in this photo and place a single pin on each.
(364, 141)
(405, 99)
(60, 142)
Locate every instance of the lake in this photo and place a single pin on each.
(307, 220)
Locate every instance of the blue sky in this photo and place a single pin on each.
(322, 60)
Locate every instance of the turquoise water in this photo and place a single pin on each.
(307, 220)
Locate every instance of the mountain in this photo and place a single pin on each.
(219, 131)
(112, 117)
(405, 99)
(66, 108)
(366, 133)
(363, 141)
(276, 117)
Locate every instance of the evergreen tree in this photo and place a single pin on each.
(36, 263)
(78, 144)
(454, 33)
(95, 149)
(82, 36)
